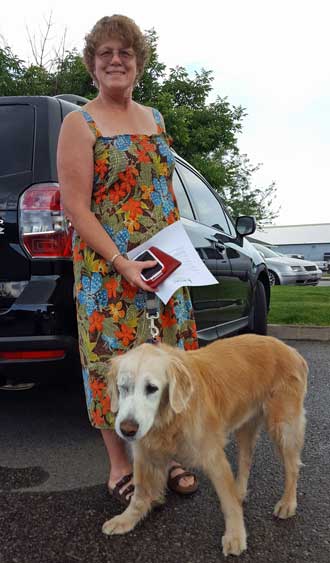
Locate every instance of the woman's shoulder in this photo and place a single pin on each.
(156, 115)
(149, 109)
(80, 112)
(74, 123)
(155, 112)
(74, 117)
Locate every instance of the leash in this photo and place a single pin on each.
(152, 307)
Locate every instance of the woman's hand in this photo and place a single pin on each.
(131, 271)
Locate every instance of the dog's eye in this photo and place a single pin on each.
(151, 389)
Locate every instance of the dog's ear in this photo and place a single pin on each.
(180, 384)
(112, 386)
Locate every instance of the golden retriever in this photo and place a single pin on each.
(176, 404)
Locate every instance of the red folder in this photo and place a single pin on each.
(170, 264)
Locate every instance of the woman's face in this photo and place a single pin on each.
(115, 66)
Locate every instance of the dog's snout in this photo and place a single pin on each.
(129, 427)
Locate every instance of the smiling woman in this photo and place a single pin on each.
(113, 62)
(122, 29)
(115, 168)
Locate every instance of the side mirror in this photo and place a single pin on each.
(245, 225)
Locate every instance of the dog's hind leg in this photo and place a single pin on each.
(246, 438)
(287, 430)
(220, 473)
(149, 483)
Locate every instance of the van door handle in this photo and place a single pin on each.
(216, 244)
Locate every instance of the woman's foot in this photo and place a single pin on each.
(121, 486)
(180, 480)
(120, 482)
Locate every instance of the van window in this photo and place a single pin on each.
(16, 139)
(208, 207)
(181, 197)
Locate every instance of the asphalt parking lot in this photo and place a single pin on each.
(53, 498)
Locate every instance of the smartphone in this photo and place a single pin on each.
(149, 274)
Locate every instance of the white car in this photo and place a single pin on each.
(283, 270)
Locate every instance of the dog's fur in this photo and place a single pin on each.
(182, 405)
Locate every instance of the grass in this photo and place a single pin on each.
(300, 305)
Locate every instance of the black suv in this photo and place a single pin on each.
(37, 312)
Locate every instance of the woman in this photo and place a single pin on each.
(115, 171)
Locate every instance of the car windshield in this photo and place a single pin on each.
(267, 252)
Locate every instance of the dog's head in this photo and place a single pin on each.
(139, 380)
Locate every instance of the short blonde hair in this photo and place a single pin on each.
(118, 27)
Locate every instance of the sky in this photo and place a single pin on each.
(271, 57)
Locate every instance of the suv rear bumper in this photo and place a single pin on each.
(58, 356)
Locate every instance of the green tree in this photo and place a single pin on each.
(35, 80)
(240, 192)
(11, 71)
(70, 76)
(149, 85)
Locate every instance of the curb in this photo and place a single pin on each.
(300, 332)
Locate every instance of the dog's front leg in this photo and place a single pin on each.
(220, 473)
(149, 482)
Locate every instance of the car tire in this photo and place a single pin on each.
(273, 278)
(258, 323)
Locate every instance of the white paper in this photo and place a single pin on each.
(175, 241)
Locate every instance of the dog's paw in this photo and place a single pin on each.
(117, 525)
(284, 509)
(234, 543)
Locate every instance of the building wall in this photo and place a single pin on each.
(309, 251)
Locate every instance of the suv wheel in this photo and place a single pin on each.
(259, 315)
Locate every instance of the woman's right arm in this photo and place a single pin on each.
(75, 164)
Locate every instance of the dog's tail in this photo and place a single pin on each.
(301, 373)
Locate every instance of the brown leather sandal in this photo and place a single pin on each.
(173, 483)
(122, 497)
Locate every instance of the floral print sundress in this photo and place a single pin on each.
(133, 199)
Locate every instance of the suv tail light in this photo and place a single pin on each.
(44, 230)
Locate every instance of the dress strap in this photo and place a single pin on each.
(159, 120)
(91, 123)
